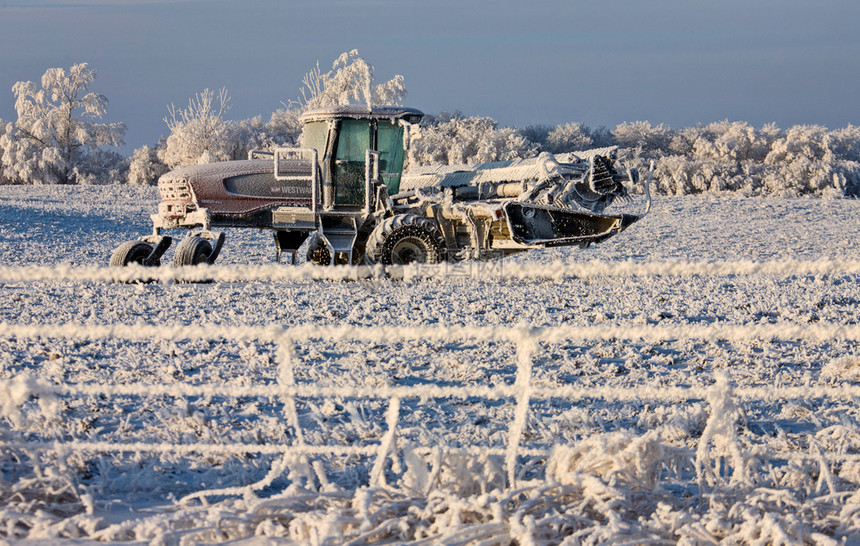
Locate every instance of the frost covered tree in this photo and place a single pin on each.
(801, 142)
(733, 141)
(735, 157)
(56, 138)
(455, 139)
(284, 125)
(845, 143)
(4, 128)
(282, 129)
(199, 133)
(569, 137)
(144, 166)
(350, 78)
(537, 134)
(641, 134)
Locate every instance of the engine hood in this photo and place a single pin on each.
(217, 171)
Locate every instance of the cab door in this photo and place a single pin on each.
(355, 138)
(390, 145)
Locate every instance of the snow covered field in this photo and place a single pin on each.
(695, 406)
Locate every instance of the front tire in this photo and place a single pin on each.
(405, 239)
(131, 252)
(192, 251)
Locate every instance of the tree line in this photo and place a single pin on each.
(58, 139)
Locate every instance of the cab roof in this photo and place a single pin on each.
(392, 113)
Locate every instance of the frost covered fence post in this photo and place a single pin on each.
(284, 357)
(525, 347)
(377, 475)
(718, 447)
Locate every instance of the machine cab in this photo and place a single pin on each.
(342, 137)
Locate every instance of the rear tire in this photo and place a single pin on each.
(192, 251)
(131, 252)
(406, 238)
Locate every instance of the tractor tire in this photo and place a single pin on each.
(318, 252)
(131, 252)
(192, 251)
(406, 238)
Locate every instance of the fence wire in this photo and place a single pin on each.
(492, 271)
(522, 392)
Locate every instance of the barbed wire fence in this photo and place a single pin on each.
(16, 391)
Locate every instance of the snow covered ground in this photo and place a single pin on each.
(673, 435)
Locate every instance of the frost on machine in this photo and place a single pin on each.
(345, 190)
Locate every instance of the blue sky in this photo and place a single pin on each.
(678, 62)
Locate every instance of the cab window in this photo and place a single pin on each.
(353, 142)
(314, 136)
(389, 141)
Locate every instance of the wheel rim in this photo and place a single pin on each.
(409, 250)
(201, 255)
(321, 256)
(318, 253)
(192, 251)
(132, 252)
(138, 256)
